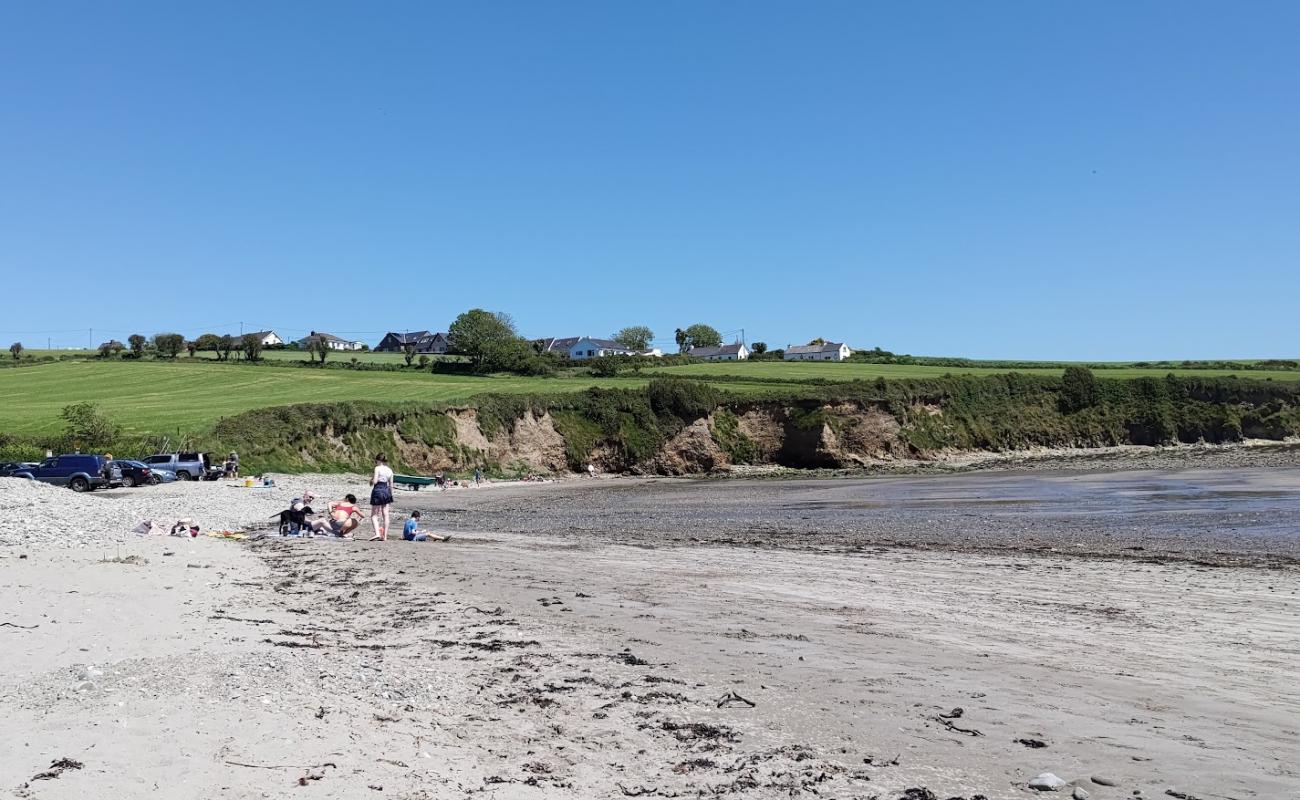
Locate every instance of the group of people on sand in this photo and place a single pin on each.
(343, 517)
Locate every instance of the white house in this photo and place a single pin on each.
(587, 347)
(334, 342)
(831, 351)
(269, 338)
(727, 352)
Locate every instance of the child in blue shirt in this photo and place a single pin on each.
(411, 531)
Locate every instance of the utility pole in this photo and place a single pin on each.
(90, 339)
(241, 330)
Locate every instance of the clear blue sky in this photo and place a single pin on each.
(1031, 179)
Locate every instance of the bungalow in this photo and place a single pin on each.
(424, 342)
(558, 346)
(587, 347)
(268, 338)
(332, 341)
(830, 351)
(727, 352)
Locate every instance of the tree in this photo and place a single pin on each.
(818, 342)
(87, 427)
(168, 345)
(479, 334)
(137, 343)
(680, 336)
(16, 350)
(758, 348)
(1078, 389)
(408, 352)
(252, 346)
(318, 347)
(699, 335)
(208, 342)
(424, 361)
(635, 337)
(110, 348)
(224, 346)
(191, 347)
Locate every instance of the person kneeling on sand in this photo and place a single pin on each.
(411, 531)
(343, 518)
(185, 527)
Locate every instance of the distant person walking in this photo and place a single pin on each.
(478, 476)
(381, 497)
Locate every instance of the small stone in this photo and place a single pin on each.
(85, 686)
(1047, 782)
(1102, 780)
(1079, 793)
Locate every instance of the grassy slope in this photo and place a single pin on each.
(796, 370)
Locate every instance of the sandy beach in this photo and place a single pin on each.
(892, 638)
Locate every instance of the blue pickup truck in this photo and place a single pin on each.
(77, 471)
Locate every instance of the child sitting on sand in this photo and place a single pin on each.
(411, 531)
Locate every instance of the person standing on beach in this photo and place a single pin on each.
(381, 497)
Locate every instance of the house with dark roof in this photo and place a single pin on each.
(829, 351)
(727, 352)
(331, 341)
(424, 342)
(558, 346)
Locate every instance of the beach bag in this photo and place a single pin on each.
(381, 495)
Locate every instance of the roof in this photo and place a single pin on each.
(804, 349)
(329, 337)
(409, 338)
(604, 344)
(559, 344)
(260, 334)
(708, 352)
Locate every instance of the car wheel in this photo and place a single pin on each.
(79, 485)
(128, 481)
(182, 476)
(154, 480)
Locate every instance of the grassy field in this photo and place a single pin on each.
(150, 397)
(189, 396)
(849, 371)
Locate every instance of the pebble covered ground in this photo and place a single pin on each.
(42, 515)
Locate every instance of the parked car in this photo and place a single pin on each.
(8, 468)
(136, 473)
(187, 466)
(77, 471)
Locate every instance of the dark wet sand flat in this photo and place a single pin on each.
(1246, 515)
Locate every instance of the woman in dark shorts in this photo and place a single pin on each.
(381, 497)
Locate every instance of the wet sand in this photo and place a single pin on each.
(575, 640)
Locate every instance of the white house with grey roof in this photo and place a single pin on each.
(830, 351)
(588, 347)
(727, 352)
(331, 341)
(267, 338)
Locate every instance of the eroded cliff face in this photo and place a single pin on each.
(842, 435)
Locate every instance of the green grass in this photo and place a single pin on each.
(848, 371)
(189, 396)
(151, 397)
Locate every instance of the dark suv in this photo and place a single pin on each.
(77, 471)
